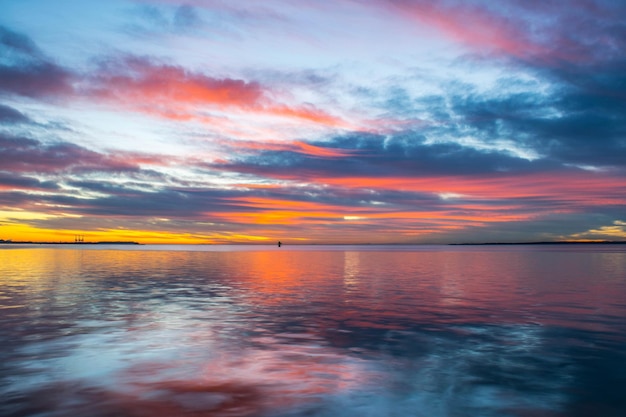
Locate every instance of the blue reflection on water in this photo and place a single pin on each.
(341, 331)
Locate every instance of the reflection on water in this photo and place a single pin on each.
(353, 331)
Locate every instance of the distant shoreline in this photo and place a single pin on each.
(601, 242)
(10, 242)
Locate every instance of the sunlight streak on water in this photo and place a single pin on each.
(341, 331)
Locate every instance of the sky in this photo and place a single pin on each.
(345, 121)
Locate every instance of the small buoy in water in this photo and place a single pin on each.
(279, 244)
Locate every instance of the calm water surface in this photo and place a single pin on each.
(313, 331)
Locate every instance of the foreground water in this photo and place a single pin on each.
(313, 331)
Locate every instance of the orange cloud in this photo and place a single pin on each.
(593, 189)
(308, 113)
(174, 93)
(294, 146)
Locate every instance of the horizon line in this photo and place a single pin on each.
(555, 242)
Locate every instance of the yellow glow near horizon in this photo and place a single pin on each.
(616, 230)
(17, 232)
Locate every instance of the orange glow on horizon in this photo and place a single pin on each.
(17, 232)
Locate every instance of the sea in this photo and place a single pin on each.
(341, 331)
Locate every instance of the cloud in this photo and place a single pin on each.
(576, 116)
(471, 24)
(124, 201)
(614, 231)
(403, 154)
(186, 18)
(406, 178)
(546, 32)
(13, 42)
(20, 154)
(148, 86)
(173, 92)
(321, 150)
(561, 115)
(139, 80)
(11, 115)
(574, 123)
(13, 181)
(26, 71)
(163, 20)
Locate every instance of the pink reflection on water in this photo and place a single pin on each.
(228, 381)
(260, 333)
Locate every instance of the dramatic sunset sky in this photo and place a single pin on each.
(344, 121)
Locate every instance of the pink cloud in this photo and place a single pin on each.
(548, 32)
(473, 26)
(175, 93)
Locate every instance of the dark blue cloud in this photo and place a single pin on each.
(570, 115)
(592, 102)
(11, 115)
(13, 41)
(564, 93)
(26, 71)
(16, 181)
(404, 154)
(21, 154)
